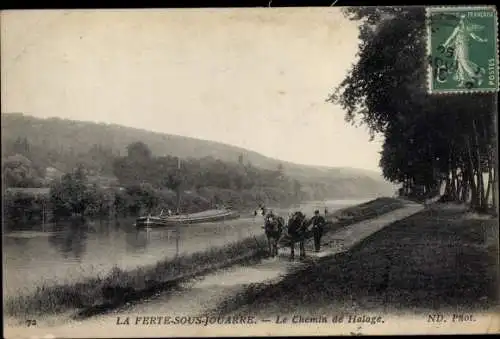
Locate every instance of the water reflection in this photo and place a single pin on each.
(137, 240)
(101, 227)
(70, 238)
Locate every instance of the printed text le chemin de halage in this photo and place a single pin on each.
(158, 320)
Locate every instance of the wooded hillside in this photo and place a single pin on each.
(61, 145)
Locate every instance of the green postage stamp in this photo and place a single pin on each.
(463, 49)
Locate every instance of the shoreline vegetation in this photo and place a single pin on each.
(28, 207)
(100, 295)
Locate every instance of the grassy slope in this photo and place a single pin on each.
(432, 260)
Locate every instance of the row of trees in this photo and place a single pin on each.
(146, 184)
(25, 165)
(74, 195)
(429, 139)
(139, 166)
(19, 152)
(19, 171)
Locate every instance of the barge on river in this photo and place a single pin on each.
(193, 218)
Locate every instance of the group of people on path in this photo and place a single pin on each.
(297, 230)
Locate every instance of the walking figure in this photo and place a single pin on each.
(318, 222)
(297, 228)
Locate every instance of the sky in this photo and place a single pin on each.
(253, 78)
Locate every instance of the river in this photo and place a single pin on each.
(64, 253)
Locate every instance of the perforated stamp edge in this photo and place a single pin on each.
(428, 11)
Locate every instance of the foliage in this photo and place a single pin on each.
(98, 159)
(18, 171)
(24, 206)
(71, 195)
(172, 173)
(428, 138)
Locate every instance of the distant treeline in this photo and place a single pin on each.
(144, 184)
(97, 202)
(25, 165)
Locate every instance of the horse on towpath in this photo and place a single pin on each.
(297, 231)
(273, 226)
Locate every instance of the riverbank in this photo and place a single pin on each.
(23, 206)
(99, 295)
(96, 295)
(442, 258)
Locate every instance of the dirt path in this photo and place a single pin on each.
(207, 292)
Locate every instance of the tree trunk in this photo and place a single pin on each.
(447, 188)
(488, 189)
(454, 180)
(460, 185)
(494, 158)
(494, 190)
(480, 187)
(465, 188)
(474, 202)
(470, 175)
(465, 191)
(483, 203)
(490, 132)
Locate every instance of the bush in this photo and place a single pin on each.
(24, 206)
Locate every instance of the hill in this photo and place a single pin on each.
(78, 137)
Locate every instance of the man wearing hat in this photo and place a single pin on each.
(317, 222)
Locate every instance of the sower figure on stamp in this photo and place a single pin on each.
(467, 71)
(318, 223)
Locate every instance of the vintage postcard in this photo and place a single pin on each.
(250, 172)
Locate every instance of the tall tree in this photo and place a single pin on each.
(139, 151)
(427, 137)
(70, 195)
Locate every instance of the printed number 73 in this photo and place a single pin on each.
(30, 322)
